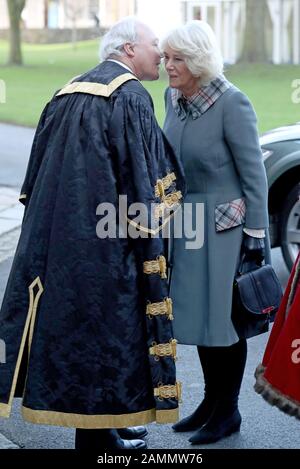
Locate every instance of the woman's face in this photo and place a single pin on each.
(180, 76)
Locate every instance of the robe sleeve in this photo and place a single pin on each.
(144, 164)
(35, 160)
(148, 172)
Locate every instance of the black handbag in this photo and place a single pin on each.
(256, 298)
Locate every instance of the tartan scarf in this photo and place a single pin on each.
(201, 101)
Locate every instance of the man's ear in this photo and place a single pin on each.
(128, 48)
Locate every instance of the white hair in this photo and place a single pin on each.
(122, 32)
(197, 42)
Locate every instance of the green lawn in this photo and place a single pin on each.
(49, 67)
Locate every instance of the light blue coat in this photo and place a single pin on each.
(222, 159)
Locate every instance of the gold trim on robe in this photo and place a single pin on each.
(164, 184)
(34, 299)
(170, 391)
(159, 266)
(170, 202)
(164, 350)
(161, 308)
(97, 89)
(47, 417)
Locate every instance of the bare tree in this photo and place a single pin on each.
(73, 11)
(15, 8)
(254, 49)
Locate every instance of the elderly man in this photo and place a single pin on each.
(86, 317)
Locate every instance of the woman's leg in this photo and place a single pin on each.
(228, 364)
(203, 412)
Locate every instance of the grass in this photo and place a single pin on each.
(49, 67)
(269, 88)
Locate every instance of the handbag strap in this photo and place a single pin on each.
(247, 266)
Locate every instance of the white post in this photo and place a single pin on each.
(188, 12)
(4, 15)
(226, 42)
(286, 51)
(218, 22)
(204, 12)
(102, 12)
(296, 32)
(61, 15)
(236, 9)
(275, 7)
(231, 32)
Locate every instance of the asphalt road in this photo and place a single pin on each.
(15, 144)
(263, 426)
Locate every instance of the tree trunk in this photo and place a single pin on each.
(254, 49)
(15, 8)
(46, 10)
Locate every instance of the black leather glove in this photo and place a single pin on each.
(253, 249)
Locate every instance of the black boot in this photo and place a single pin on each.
(218, 426)
(203, 412)
(229, 365)
(104, 439)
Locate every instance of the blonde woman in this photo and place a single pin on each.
(212, 127)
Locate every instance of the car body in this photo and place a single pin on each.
(281, 153)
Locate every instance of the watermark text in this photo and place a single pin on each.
(296, 353)
(2, 351)
(296, 93)
(2, 92)
(139, 220)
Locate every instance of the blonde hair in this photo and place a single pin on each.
(197, 42)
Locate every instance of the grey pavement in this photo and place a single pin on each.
(11, 213)
(7, 444)
(14, 152)
(262, 427)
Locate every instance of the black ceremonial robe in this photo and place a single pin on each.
(86, 319)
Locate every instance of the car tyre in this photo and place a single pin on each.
(290, 226)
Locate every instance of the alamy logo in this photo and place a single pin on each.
(296, 93)
(137, 220)
(2, 351)
(296, 353)
(2, 92)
